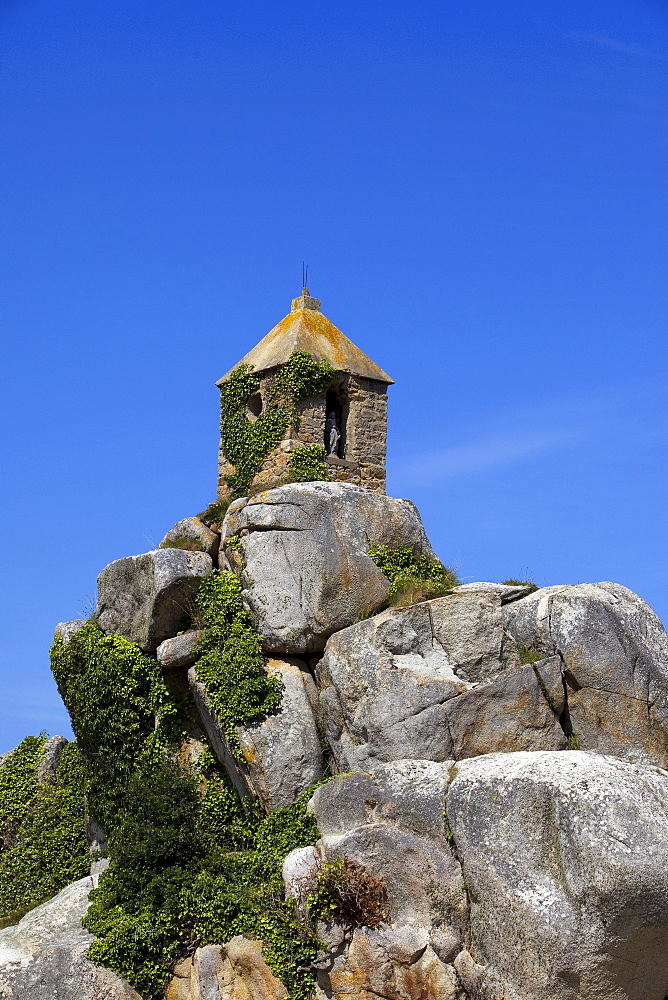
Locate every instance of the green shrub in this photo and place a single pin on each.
(349, 893)
(529, 654)
(412, 577)
(214, 515)
(233, 886)
(231, 665)
(307, 464)
(43, 846)
(116, 696)
(18, 785)
(522, 583)
(189, 861)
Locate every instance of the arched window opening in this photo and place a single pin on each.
(254, 407)
(335, 424)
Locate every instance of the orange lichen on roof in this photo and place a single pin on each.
(308, 330)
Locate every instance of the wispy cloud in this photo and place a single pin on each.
(605, 42)
(483, 453)
(519, 435)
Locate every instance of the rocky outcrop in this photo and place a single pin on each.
(512, 867)
(392, 823)
(233, 971)
(44, 955)
(281, 753)
(149, 598)
(49, 762)
(436, 680)
(565, 857)
(181, 651)
(193, 535)
(615, 657)
(528, 876)
(304, 550)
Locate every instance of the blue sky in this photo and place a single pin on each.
(480, 192)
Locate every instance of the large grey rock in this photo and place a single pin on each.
(388, 963)
(181, 651)
(51, 758)
(565, 856)
(507, 592)
(193, 535)
(615, 655)
(413, 683)
(65, 630)
(43, 957)
(282, 755)
(392, 823)
(304, 550)
(149, 598)
(520, 710)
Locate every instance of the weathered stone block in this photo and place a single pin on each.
(149, 598)
(439, 679)
(307, 572)
(566, 860)
(193, 535)
(615, 658)
(181, 651)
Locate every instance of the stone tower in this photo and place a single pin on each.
(349, 420)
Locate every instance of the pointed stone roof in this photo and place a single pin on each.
(306, 329)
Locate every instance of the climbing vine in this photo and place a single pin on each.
(190, 862)
(307, 464)
(120, 708)
(247, 443)
(42, 836)
(231, 665)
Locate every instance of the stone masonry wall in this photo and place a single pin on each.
(365, 437)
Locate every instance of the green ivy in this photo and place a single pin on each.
(119, 706)
(247, 443)
(307, 464)
(190, 862)
(231, 664)
(18, 785)
(405, 570)
(43, 844)
(231, 885)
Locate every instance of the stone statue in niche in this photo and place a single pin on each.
(332, 434)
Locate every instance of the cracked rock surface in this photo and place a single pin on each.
(44, 955)
(436, 680)
(615, 658)
(565, 856)
(306, 568)
(548, 882)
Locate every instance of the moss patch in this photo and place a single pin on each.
(412, 577)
